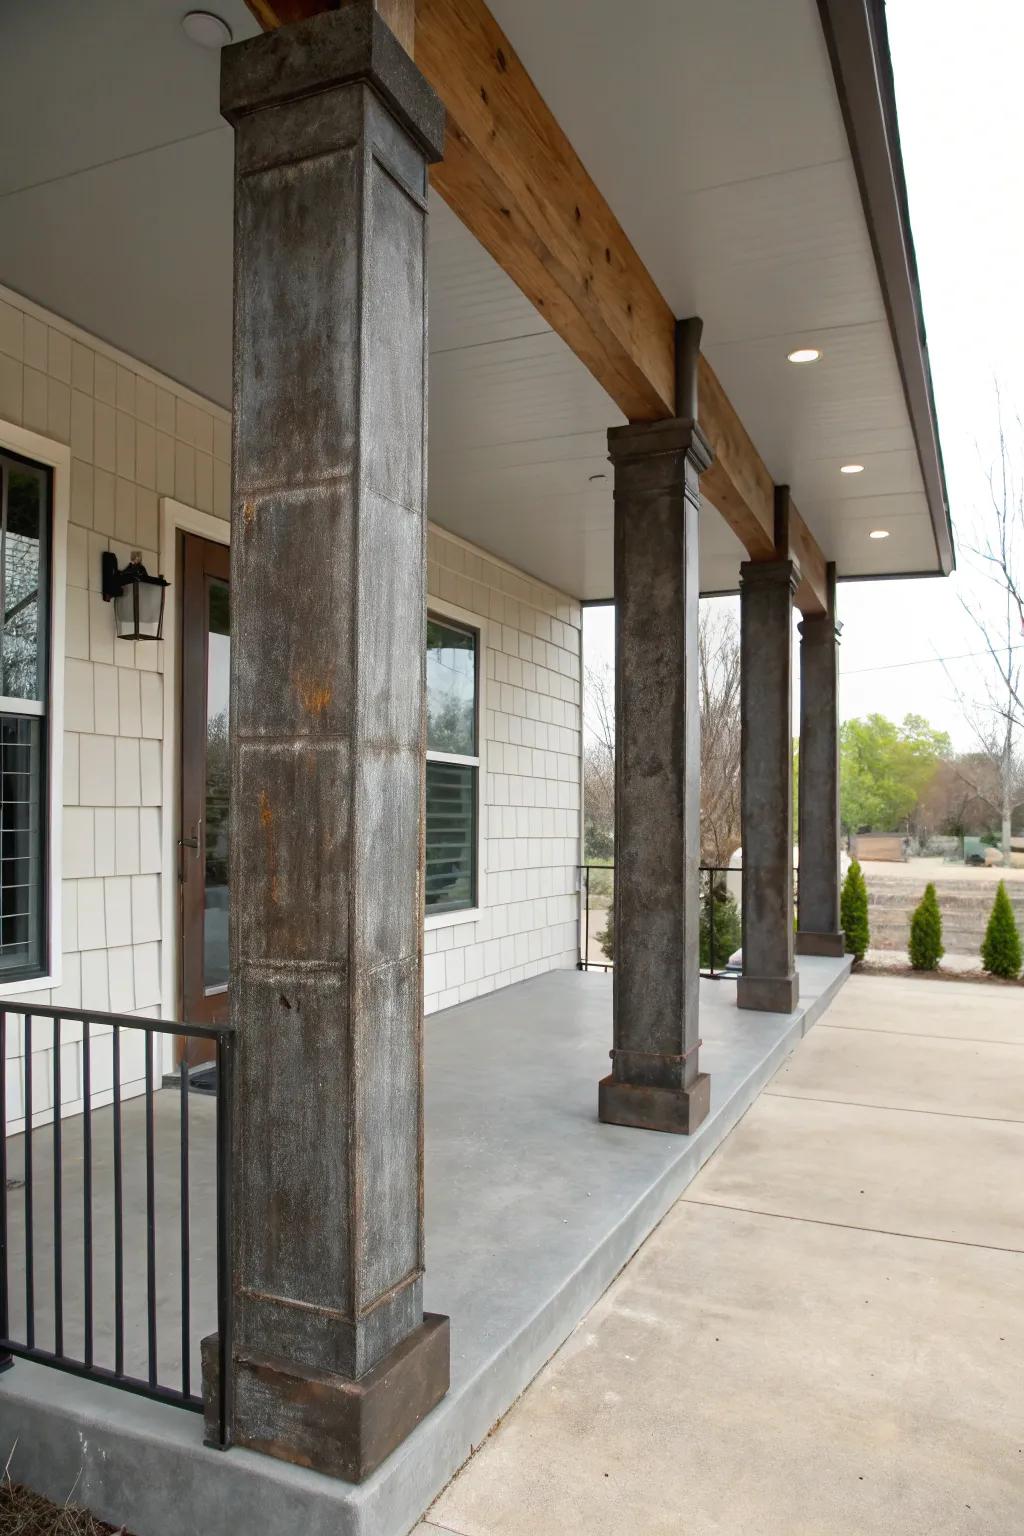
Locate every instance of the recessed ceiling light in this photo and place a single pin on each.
(803, 355)
(598, 477)
(851, 469)
(206, 29)
(879, 533)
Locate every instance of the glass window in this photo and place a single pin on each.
(451, 689)
(25, 596)
(453, 767)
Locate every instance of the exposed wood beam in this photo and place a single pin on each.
(512, 177)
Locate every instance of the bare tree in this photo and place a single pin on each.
(995, 709)
(718, 663)
(599, 761)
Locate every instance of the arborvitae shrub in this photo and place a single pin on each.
(853, 912)
(728, 932)
(925, 949)
(1000, 950)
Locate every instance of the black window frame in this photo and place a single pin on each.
(472, 762)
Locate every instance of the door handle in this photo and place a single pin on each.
(194, 842)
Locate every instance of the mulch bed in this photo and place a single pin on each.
(24, 1513)
(980, 978)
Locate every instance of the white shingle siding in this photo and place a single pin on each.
(135, 437)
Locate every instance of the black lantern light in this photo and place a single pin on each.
(137, 596)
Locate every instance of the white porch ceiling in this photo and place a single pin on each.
(712, 128)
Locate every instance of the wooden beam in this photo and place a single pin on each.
(512, 177)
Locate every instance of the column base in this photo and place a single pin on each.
(327, 1422)
(768, 994)
(679, 1110)
(820, 943)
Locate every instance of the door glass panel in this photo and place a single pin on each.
(215, 816)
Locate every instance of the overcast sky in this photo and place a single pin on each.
(961, 113)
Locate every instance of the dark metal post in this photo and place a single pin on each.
(769, 980)
(655, 1082)
(333, 1361)
(819, 931)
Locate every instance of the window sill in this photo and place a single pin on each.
(449, 919)
(48, 982)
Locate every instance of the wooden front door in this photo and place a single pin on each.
(205, 781)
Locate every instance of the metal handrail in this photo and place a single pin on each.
(182, 1394)
(711, 971)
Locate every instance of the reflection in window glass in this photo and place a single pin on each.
(451, 836)
(24, 671)
(451, 689)
(218, 783)
(24, 728)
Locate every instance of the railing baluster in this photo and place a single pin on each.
(225, 1315)
(82, 1361)
(586, 926)
(87, 1189)
(6, 1359)
(58, 1199)
(118, 1211)
(30, 1273)
(186, 1323)
(150, 1216)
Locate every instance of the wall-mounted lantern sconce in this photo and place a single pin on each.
(137, 596)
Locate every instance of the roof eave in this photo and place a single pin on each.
(858, 45)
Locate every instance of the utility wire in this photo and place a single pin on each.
(927, 661)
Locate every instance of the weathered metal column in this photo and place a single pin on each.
(655, 1082)
(818, 926)
(769, 980)
(333, 1361)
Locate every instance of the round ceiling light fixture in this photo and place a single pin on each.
(851, 469)
(206, 29)
(879, 533)
(803, 355)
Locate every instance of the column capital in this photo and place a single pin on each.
(770, 573)
(332, 49)
(819, 629)
(646, 441)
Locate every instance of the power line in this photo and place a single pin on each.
(928, 661)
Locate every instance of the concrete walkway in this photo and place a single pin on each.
(824, 1335)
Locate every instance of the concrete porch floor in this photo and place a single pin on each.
(824, 1334)
(532, 1208)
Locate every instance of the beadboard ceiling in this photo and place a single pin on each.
(715, 134)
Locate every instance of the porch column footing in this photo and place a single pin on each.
(646, 1108)
(833, 944)
(327, 1421)
(768, 994)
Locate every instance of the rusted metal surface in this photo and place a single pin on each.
(767, 590)
(333, 131)
(657, 790)
(321, 1420)
(819, 930)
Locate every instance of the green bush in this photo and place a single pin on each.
(853, 912)
(606, 938)
(728, 930)
(925, 948)
(1000, 950)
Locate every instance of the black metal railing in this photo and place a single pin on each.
(74, 1201)
(720, 925)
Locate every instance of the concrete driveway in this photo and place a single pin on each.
(824, 1337)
